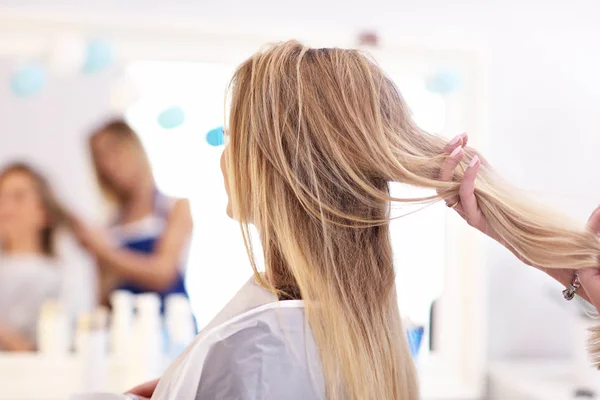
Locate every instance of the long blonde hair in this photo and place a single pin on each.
(113, 195)
(121, 130)
(315, 137)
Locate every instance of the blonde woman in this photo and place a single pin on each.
(315, 136)
(145, 250)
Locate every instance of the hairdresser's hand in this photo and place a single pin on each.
(466, 206)
(466, 202)
(145, 390)
(590, 277)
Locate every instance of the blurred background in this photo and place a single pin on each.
(78, 78)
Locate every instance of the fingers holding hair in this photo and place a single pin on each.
(593, 223)
(458, 140)
(468, 201)
(455, 152)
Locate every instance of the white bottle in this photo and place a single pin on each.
(84, 326)
(92, 349)
(180, 324)
(53, 333)
(148, 336)
(121, 324)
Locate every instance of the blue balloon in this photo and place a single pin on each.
(444, 82)
(216, 137)
(28, 80)
(415, 337)
(171, 118)
(99, 56)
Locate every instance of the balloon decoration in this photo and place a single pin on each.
(216, 137)
(99, 56)
(28, 80)
(171, 118)
(123, 93)
(444, 82)
(66, 54)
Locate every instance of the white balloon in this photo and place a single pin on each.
(123, 93)
(67, 54)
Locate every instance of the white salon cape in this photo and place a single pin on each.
(256, 348)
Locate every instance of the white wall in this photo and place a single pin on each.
(543, 90)
(543, 126)
(49, 131)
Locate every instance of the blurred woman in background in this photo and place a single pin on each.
(30, 273)
(146, 248)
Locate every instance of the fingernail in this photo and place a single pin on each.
(456, 151)
(474, 161)
(455, 140)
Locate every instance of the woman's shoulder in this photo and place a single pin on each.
(177, 203)
(178, 209)
(265, 329)
(274, 338)
(170, 205)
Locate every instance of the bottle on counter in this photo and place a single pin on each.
(180, 324)
(148, 337)
(84, 326)
(53, 334)
(91, 346)
(121, 324)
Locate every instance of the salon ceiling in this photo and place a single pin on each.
(386, 14)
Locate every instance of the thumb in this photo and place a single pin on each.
(594, 221)
(590, 280)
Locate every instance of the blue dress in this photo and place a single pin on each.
(143, 236)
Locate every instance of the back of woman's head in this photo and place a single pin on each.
(309, 132)
(119, 159)
(315, 136)
(30, 194)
